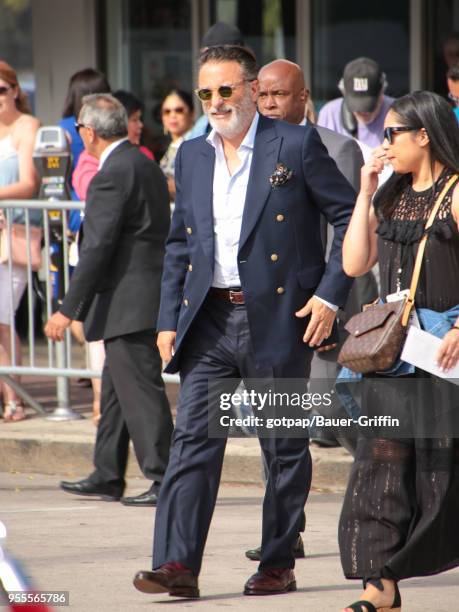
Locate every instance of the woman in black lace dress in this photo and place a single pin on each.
(402, 502)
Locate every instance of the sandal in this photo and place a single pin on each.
(366, 606)
(13, 412)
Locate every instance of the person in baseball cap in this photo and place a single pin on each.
(362, 85)
(362, 109)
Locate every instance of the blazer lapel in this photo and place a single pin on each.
(202, 196)
(264, 160)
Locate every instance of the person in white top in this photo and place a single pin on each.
(18, 180)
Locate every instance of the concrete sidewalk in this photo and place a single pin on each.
(93, 549)
(47, 447)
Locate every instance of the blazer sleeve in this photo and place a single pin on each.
(349, 160)
(335, 198)
(176, 259)
(102, 227)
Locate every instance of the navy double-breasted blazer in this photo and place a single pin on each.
(284, 220)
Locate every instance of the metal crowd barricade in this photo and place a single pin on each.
(58, 361)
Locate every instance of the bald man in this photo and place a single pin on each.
(283, 95)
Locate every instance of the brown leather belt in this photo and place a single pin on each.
(235, 297)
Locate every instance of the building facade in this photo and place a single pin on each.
(148, 46)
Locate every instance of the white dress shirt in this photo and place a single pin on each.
(106, 152)
(229, 193)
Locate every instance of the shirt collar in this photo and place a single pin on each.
(249, 139)
(106, 152)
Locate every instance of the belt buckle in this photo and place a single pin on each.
(233, 296)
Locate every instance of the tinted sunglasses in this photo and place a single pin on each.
(4, 90)
(180, 110)
(390, 131)
(224, 91)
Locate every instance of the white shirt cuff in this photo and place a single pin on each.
(332, 306)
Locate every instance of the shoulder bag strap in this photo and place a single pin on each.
(422, 246)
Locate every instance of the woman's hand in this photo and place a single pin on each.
(448, 353)
(371, 170)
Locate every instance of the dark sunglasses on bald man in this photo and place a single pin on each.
(390, 131)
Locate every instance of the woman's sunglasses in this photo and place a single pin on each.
(224, 91)
(390, 131)
(180, 110)
(4, 90)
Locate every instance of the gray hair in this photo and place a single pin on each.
(105, 114)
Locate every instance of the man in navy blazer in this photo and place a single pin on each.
(245, 293)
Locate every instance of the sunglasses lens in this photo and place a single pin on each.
(225, 91)
(204, 94)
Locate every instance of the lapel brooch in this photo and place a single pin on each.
(280, 176)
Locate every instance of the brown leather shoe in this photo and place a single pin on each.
(172, 578)
(271, 582)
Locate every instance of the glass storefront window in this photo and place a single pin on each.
(16, 41)
(442, 21)
(150, 51)
(268, 26)
(343, 31)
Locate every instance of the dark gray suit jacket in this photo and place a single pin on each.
(115, 288)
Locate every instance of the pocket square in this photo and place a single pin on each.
(281, 175)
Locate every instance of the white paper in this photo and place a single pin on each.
(421, 350)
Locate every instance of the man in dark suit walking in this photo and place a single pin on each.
(115, 290)
(244, 267)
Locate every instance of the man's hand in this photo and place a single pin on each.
(321, 322)
(166, 343)
(56, 326)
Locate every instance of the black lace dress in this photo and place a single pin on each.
(401, 507)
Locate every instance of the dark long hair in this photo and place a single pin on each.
(422, 109)
(184, 96)
(83, 83)
(131, 103)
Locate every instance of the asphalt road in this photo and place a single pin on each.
(92, 549)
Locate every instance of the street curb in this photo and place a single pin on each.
(67, 455)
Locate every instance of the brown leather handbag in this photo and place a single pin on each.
(377, 334)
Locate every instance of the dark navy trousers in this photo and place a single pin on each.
(219, 346)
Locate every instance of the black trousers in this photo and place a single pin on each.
(219, 347)
(134, 406)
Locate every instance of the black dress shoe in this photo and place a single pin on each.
(107, 492)
(149, 498)
(254, 554)
(172, 578)
(324, 442)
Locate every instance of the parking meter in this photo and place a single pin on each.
(53, 163)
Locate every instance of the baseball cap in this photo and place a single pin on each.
(363, 82)
(222, 34)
